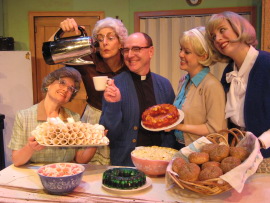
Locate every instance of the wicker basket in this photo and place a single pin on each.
(217, 185)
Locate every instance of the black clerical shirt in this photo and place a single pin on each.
(146, 98)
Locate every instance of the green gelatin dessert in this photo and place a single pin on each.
(123, 178)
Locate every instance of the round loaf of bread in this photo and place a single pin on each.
(198, 157)
(210, 173)
(210, 163)
(189, 172)
(219, 153)
(239, 152)
(178, 163)
(229, 163)
(208, 147)
(160, 115)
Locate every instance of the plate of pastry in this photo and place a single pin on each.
(164, 120)
(73, 134)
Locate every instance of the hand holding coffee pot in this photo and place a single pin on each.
(70, 25)
(69, 50)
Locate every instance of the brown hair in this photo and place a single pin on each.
(61, 73)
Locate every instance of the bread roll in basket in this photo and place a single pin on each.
(235, 178)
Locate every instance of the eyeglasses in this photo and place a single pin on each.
(62, 83)
(110, 36)
(134, 50)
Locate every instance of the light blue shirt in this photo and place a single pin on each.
(181, 97)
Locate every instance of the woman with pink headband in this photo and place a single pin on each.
(201, 96)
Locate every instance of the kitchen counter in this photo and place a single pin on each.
(18, 184)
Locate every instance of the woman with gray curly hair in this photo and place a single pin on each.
(110, 33)
(60, 87)
(58, 74)
(115, 24)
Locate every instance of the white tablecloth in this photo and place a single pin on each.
(18, 184)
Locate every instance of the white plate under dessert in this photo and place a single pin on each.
(180, 119)
(147, 184)
(67, 146)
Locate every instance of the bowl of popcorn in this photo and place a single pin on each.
(153, 160)
(60, 178)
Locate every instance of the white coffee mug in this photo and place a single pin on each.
(100, 82)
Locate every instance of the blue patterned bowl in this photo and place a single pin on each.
(61, 178)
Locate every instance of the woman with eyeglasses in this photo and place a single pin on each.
(59, 87)
(110, 33)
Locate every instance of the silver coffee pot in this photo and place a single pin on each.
(69, 50)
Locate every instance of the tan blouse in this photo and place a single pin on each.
(205, 104)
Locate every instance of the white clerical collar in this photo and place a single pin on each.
(143, 77)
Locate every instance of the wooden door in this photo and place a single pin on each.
(265, 40)
(44, 26)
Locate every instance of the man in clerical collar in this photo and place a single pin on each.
(128, 95)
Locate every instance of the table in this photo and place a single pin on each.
(18, 184)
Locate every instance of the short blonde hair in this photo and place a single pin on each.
(241, 26)
(189, 37)
(113, 23)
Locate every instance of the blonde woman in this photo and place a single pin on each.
(246, 78)
(201, 96)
